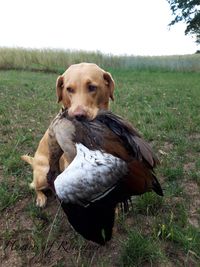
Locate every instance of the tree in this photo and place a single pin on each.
(189, 12)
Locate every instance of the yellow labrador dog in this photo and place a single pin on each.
(84, 89)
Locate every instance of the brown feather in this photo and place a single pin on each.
(140, 179)
(146, 152)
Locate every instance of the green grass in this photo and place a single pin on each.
(149, 204)
(8, 196)
(139, 250)
(164, 106)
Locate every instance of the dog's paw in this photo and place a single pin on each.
(41, 200)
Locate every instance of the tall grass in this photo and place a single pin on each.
(52, 60)
(171, 63)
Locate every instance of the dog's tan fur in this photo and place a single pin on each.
(74, 89)
(84, 89)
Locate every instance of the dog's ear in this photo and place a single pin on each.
(59, 88)
(110, 83)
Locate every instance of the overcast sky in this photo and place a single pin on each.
(137, 27)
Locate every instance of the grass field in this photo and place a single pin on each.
(164, 106)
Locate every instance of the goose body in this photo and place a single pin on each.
(111, 163)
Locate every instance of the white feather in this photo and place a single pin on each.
(90, 174)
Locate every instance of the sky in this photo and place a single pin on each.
(118, 27)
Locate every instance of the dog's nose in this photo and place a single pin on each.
(80, 114)
(80, 117)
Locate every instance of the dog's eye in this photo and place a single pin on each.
(70, 90)
(92, 88)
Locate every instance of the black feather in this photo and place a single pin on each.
(157, 187)
(95, 222)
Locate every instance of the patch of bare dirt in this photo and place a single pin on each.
(195, 136)
(167, 146)
(192, 190)
(15, 217)
(1, 174)
(177, 254)
(165, 149)
(10, 258)
(189, 166)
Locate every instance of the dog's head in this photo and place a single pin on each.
(84, 89)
